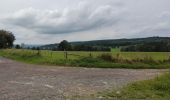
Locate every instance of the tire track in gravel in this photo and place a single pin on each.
(19, 81)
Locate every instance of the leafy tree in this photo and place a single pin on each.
(17, 47)
(64, 45)
(33, 48)
(6, 39)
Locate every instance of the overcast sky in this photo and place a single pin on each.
(50, 21)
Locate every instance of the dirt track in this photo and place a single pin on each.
(19, 81)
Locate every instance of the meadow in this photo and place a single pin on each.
(155, 89)
(113, 59)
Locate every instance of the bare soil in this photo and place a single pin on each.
(19, 81)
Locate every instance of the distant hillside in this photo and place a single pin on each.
(49, 46)
(115, 42)
(29, 45)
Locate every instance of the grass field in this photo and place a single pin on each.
(90, 59)
(155, 89)
(115, 50)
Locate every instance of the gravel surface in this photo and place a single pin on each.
(19, 81)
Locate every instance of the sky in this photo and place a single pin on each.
(51, 21)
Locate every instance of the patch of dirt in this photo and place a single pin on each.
(19, 81)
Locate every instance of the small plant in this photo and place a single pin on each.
(90, 55)
(148, 59)
(118, 59)
(169, 58)
(106, 57)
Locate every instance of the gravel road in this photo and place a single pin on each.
(19, 81)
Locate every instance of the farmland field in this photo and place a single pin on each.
(77, 58)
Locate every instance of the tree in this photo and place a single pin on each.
(17, 47)
(64, 45)
(6, 39)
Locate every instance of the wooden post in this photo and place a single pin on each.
(38, 52)
(65, 54)
(90, 55)
(51, 54)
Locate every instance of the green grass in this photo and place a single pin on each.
(155, 89)
(83, 59)
(154, 55)
(115, 50)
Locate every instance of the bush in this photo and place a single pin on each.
(106, 57)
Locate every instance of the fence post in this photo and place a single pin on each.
(65, 54)
(51, 54)
(90, 55)
(39, 52)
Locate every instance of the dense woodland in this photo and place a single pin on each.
(65, 45)
(162, 46)
(150, 44)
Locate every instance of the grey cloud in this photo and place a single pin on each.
(161, 28)
(88, 20)
(82, 18)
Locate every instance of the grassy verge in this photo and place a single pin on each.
(57, 58)
(155, 89)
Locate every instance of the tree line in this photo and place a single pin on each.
(66, 46)
(162, 46)
(151, 44)
(113, 43)
(122, 42)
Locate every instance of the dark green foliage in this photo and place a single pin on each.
(162, 46)
(122, 42)
(105, 45)
(90, 48)
(17, 46)
(64, 45)
(35, 48)
(106, 57)
(6, 39)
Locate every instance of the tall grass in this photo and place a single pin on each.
(118, 58)
(87, 59)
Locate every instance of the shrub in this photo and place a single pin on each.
(106, 57)
(148, 59)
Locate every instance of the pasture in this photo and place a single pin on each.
(155, 89)
(91, 59)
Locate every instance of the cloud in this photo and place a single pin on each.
(165, 16)
(69, 20)
(160, 27)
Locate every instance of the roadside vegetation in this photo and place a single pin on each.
(155, 89)
(134, 60)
